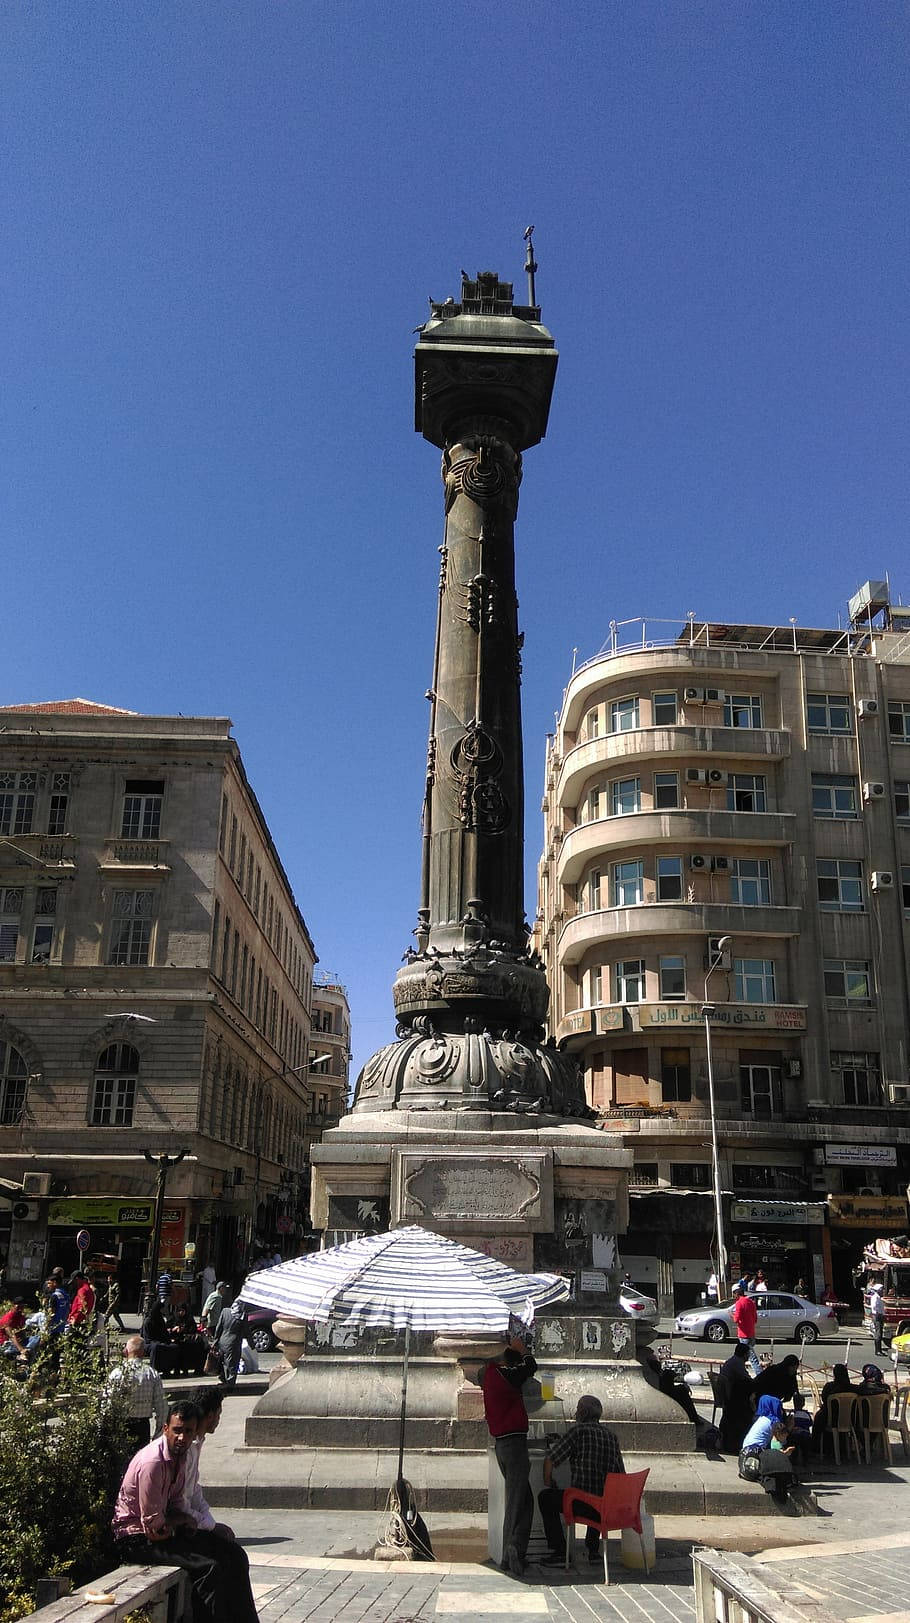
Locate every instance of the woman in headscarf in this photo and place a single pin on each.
(779, 1380)
(838, 1384)
(758, 1437)
(873, 1380)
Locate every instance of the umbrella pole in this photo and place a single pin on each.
(404, 1402)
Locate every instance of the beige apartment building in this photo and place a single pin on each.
(750, 782)
(156, 994)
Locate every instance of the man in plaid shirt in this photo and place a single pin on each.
(144, 1392)
(594, 1453)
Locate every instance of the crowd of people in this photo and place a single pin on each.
(161, 1515)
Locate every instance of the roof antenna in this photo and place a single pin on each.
(531, 266)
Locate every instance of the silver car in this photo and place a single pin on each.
(637, 1305)
(781, 1317)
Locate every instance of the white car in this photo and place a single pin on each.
(781, 1317)
(642, 1308)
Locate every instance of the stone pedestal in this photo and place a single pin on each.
(540, 1195)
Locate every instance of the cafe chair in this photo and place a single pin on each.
(873, 1423)
(841, 1420)
(898, 1420)
(717, 1400)
(617, 1507)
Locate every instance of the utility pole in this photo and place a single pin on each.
(164, 1162)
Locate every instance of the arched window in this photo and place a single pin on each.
(13, 1085)
(116, 1075)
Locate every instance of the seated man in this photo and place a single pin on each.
(11, 1326)
(151, 1526)
(208, 1400)
(594, 1453)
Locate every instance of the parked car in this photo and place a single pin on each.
(781, 1317)
(260, 1335)
(639, 1307)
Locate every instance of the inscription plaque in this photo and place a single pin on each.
(505, 1193)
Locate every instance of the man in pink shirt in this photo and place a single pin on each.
(152, 1527)
(82, 1312)
(745, 1317)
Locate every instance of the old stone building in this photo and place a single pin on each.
(156, 984)
(748, 785)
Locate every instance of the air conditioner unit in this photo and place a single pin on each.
(873, 791)
(720, 864)
(724, 957)
(714, 695)
(819, 1181)
(899, 1093)
(694, 695)
(882, 879)
(36, 1183)
(696, 774)
(698, 862)
(793, 1068)
(716, 776)
(868, 707)
(26, 1211)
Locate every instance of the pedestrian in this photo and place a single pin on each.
(81, 1315)
(745, 1317)
(801, 1429)
(594, 1454)
(779, 1380)
(507, 1420)
(759, 1283)
(877, 1315)
(207, 1282)
(229, 1333)
(143, 1390)
(112, 1306)
(711, 1288)
(734, 1393)
(151, 1527)
(217, 1299)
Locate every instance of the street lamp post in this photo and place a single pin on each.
(164, 1162)
(707, 1010)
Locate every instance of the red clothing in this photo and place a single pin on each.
(745, 1317)
(83, 1308)
(503, 1403)
(13, 1320)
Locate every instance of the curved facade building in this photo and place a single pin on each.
(748, 782)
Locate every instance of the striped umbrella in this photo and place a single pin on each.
(408, 1279)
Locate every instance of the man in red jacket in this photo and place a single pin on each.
(507, 1420)
(745, 1317)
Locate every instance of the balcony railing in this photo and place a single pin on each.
(136, 853)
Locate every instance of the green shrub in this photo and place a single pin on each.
(62, 1457)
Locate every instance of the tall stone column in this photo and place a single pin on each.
(472, 873)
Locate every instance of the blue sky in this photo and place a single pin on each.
(220, 225)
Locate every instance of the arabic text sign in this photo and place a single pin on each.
(773, 1211)
(764, 1016)
(860, 1155)
(103, 1213)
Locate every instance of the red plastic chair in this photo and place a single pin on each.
(618, 1506)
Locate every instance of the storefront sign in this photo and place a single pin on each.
(860, 1155)
(102, 1213)
(746, 1016)
(880, 1212)
(777, 1211)
(575, 1024)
